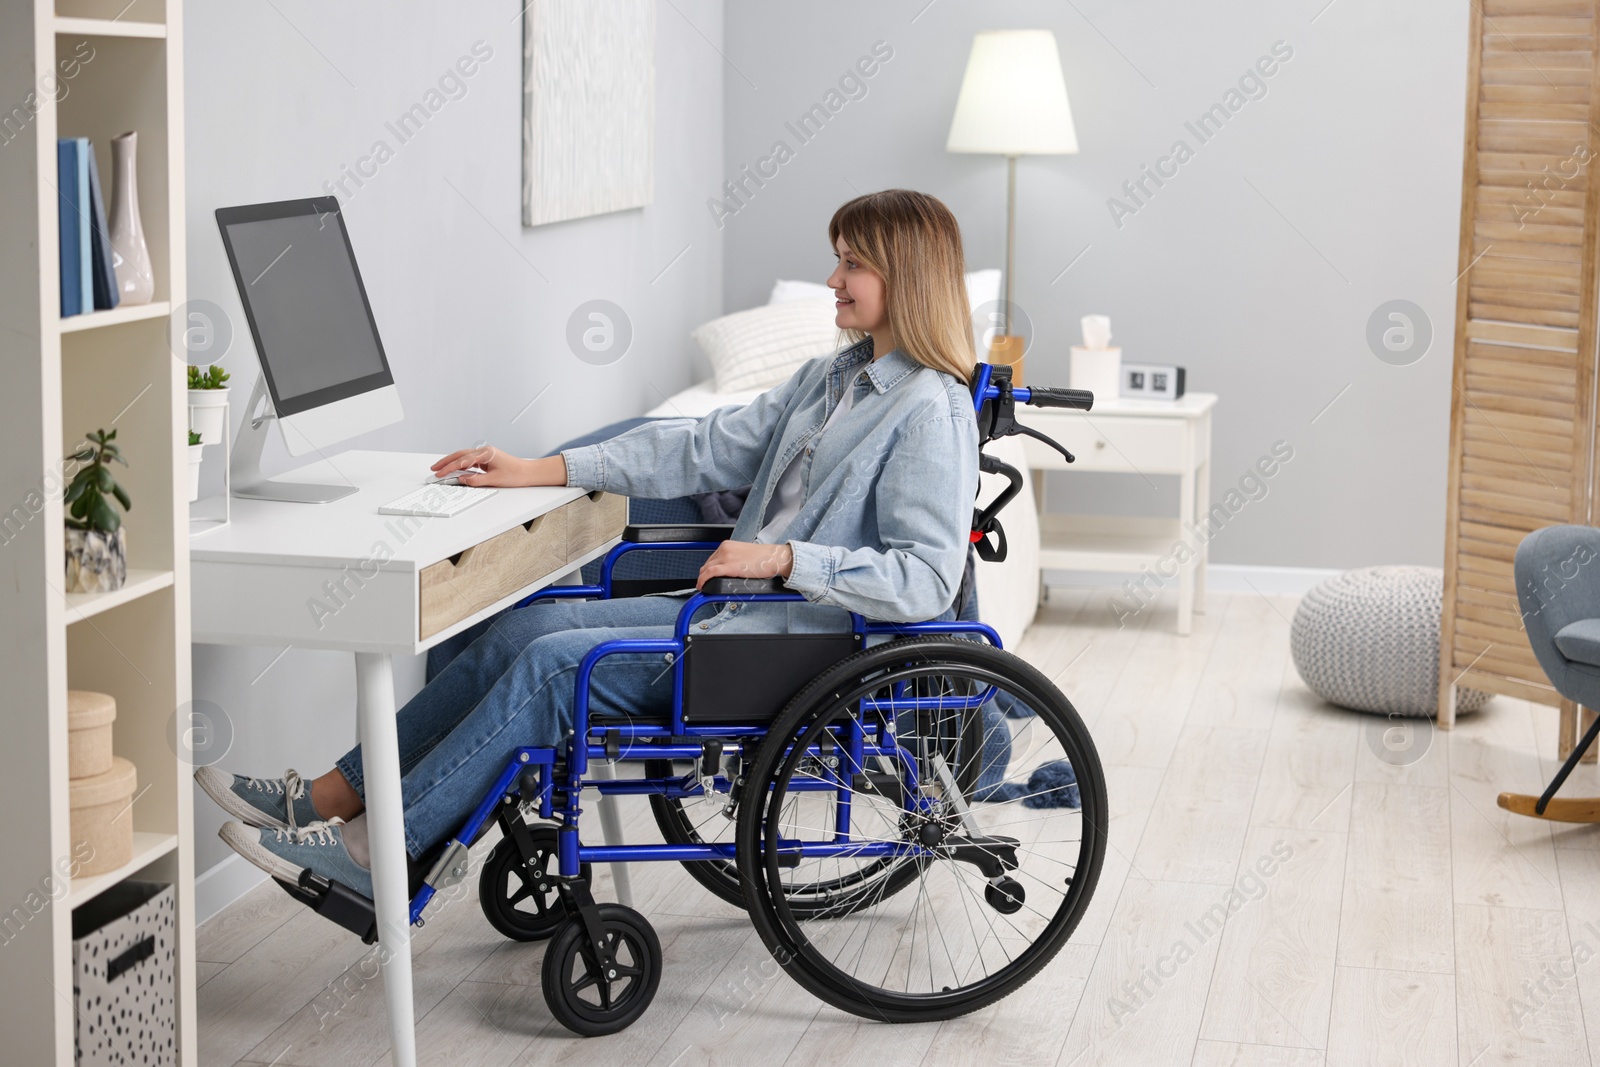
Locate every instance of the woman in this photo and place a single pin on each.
(863, 471)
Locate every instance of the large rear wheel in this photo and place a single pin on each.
(993, 887)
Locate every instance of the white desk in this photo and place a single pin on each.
(1130, 437)
(341, 576)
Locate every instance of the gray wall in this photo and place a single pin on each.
(1263, 293)
(1256, 267)
(472, 307)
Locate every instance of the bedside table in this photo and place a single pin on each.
(1138, 437)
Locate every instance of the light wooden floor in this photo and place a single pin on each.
(1405, 918)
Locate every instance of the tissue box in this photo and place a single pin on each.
(1098, 370)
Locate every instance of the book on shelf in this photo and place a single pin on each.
(106, 292)
(74, 235)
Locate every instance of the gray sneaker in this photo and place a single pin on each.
(275, 803)
(284, 853)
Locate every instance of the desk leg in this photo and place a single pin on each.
(611, 831)
(380, 756)
(1186, 571)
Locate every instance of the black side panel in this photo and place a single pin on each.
(629, 587)
(748, 678)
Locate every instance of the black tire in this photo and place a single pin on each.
(1055, 904)
(521, 901)
(576, 998)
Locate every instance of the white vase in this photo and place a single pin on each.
(96, 562)
(130, 257)
(195, 454)
(208, 414)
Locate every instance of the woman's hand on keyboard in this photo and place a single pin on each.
(500, 468)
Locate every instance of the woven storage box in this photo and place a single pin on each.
(123, 944)
(102, 816)
(89, 718)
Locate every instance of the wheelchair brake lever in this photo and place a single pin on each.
(1037, 436)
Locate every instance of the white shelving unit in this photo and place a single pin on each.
(60, 379)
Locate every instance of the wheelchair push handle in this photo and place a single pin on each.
(1048, 397)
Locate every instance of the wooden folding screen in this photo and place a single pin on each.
(1522, 407)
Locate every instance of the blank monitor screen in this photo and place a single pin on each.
(303, 297)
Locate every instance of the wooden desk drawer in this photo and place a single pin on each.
(1150, 446)
(453, 589)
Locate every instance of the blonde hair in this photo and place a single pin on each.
(912, 240)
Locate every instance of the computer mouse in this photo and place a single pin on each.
(452, 478)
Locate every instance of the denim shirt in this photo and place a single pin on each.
(889, 489)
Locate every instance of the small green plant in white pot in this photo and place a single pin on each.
(97, 542)
(196, 450)
(208, 403)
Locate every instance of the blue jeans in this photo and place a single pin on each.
(513, 686)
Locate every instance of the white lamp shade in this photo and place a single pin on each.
(1013, 99)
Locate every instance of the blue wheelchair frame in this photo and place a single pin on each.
(642, 741)
(674, 738)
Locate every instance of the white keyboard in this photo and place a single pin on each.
(437, 501)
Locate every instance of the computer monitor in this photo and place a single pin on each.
(323, 367)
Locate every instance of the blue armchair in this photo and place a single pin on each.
(1557, 571)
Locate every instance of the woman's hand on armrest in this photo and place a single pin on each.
(744, 559)
(502, 469)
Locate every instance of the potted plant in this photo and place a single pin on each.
(208, 403)
(196, 450)
(97, 545)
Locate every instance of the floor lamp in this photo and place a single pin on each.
(1013, 103)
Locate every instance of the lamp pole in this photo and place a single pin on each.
(1011, 236)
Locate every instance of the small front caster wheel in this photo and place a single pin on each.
(587, 1001)
(519, 898)
(1005, 895)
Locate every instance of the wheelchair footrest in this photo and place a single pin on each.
(337, 902)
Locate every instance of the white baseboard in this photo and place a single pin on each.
(223, 884)
(1220, 578)
(1273, 581)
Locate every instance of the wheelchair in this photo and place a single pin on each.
(844, 792)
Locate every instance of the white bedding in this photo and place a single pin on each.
(1008, 593)
(699, 400)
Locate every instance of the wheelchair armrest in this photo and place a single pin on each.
(742, 586)
(655, 532)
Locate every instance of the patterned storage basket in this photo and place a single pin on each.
(1369, 640)
(123, 950)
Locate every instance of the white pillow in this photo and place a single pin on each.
(764, 346)
(784, 290)
(983, 287)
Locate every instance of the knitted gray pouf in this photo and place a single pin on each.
(1369, 640)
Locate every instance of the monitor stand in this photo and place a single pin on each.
(245, 468)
